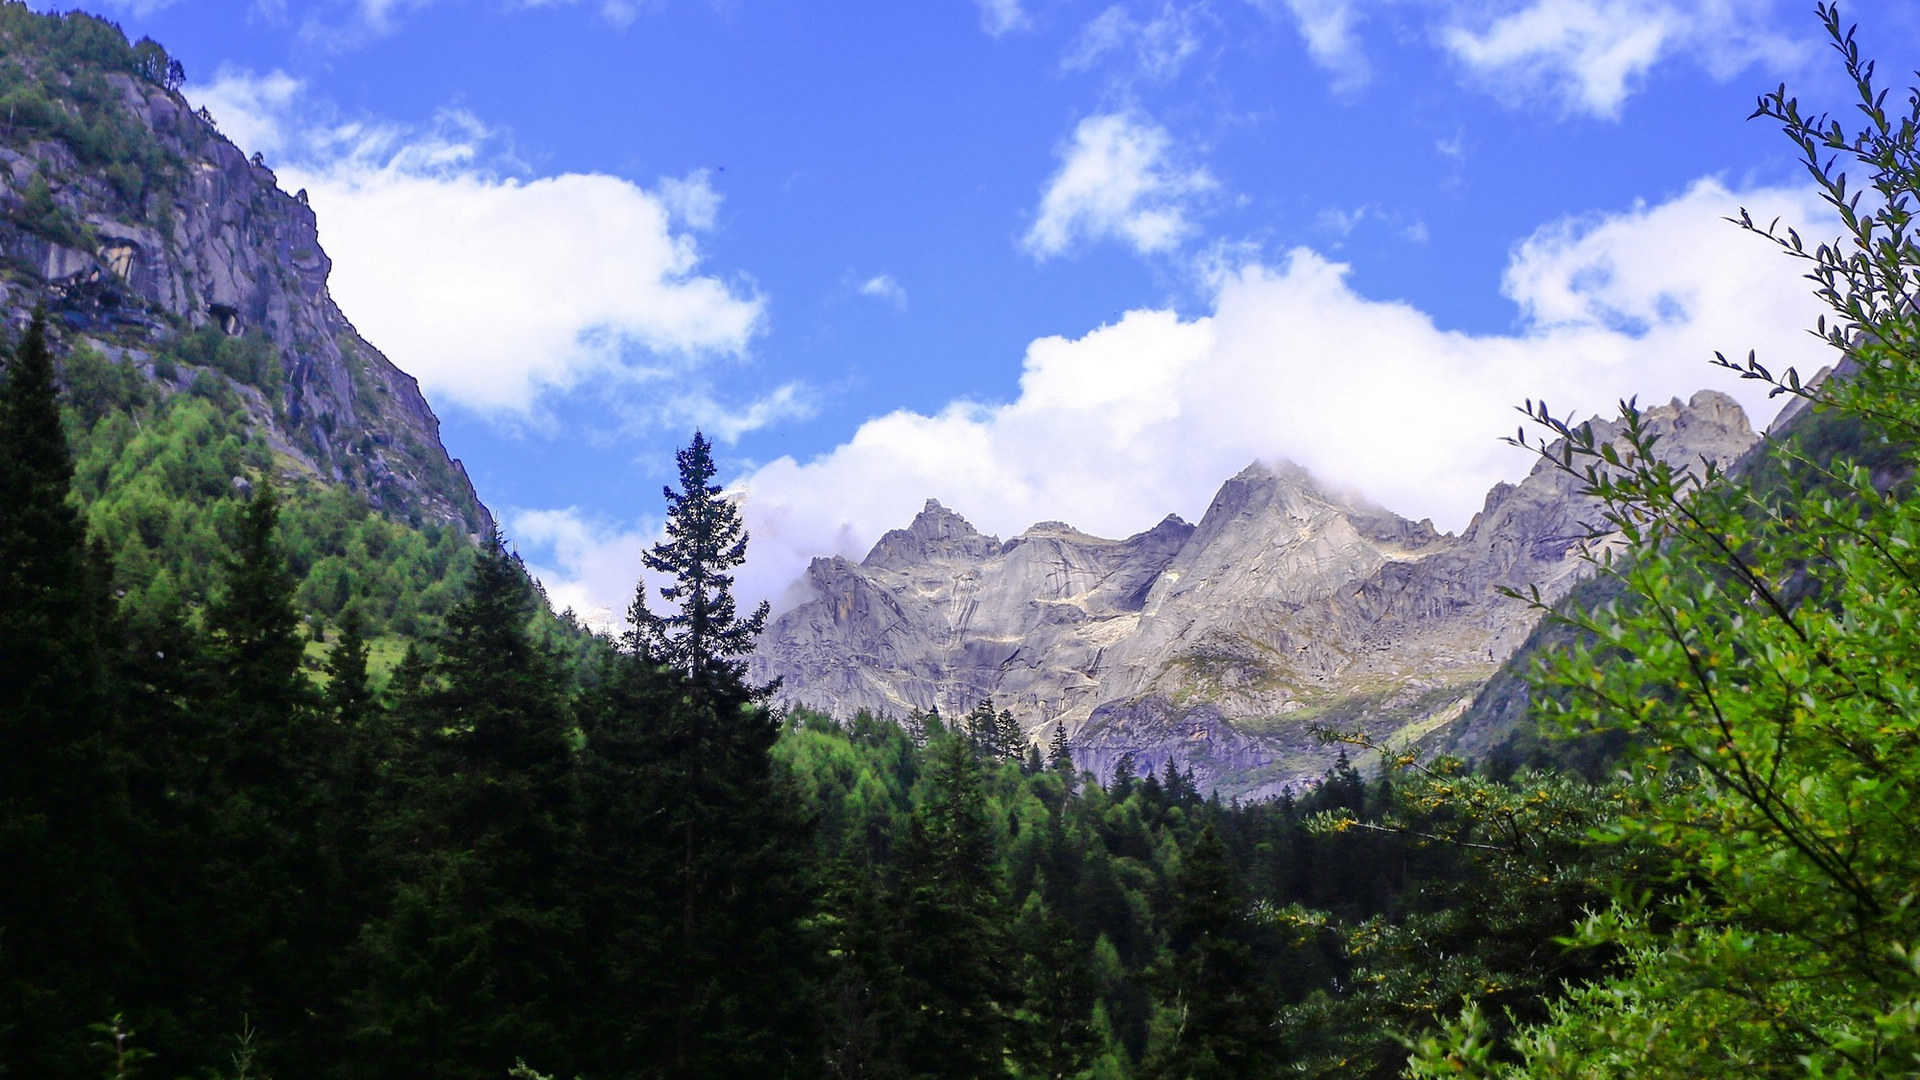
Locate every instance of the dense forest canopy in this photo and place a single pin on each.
(236, 841)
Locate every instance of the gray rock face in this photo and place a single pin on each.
(219, 244)
(1222, 646)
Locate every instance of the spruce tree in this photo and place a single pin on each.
(1054, 1036)
(1216, 1016)
(470, 960)
(61, 774)
(349, 697)
(703, 638)
(266, 873)
(1059, 751)
(729, 998)
(952, 952)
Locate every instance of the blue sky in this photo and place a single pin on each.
(1038, 259)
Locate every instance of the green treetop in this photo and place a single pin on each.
(703, 638)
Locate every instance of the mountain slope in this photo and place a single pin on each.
(153, 241)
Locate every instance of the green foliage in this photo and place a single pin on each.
(53, 84)
(39, 213)
(156, 475)
(1762, 660)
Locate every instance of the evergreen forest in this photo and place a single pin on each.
(289, 788)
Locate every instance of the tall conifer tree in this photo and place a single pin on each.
(472, 958)
(60, 803)
(703, 638)
(951, 944)
(736, 886)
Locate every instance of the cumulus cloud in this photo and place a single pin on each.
(884, 288)
(1590, 55)
(494, 289)
(1001, 17)
(1114, 428)
(1157, 48)
(1117, 180)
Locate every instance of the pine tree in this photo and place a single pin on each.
(470, 960)
(950, 944)
(1008, 738)
(1216, 1015)
(267, 872)
(62, 771)
(703, 639)
(349, 697)
(256, 649)
(1060, 752)
(1055, 1035)
(728, 997)
(982, 729)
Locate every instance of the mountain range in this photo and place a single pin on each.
(1223, 646)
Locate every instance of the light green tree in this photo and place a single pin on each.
(1764, 659)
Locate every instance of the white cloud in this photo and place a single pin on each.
(1592, 54)
(727, 423)
(883, 287)
(591, 565)
(1158, 47)
(1329, 29)
(620, 13)
(327, 26)
(493, 289)
(1001, 17)
(251, 110)
(1150, 414)
(1117, 181)
(139, 9)
(1340, 223)
(691, 198)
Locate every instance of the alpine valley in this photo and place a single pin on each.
(188, 296)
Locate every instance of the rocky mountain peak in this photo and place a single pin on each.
(936, 533)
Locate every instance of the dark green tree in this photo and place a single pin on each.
(1060, 752)
(1054, 1034)
(266, 873)
(61, 776)
(1216, 1018)
(733, 893)
(951, 948)
(470, 960)
(349, 695)
(703, 638)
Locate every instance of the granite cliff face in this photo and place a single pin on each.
(1221, 645)
(153, 226)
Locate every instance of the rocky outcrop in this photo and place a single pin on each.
(206, 238)
(1289, 608)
